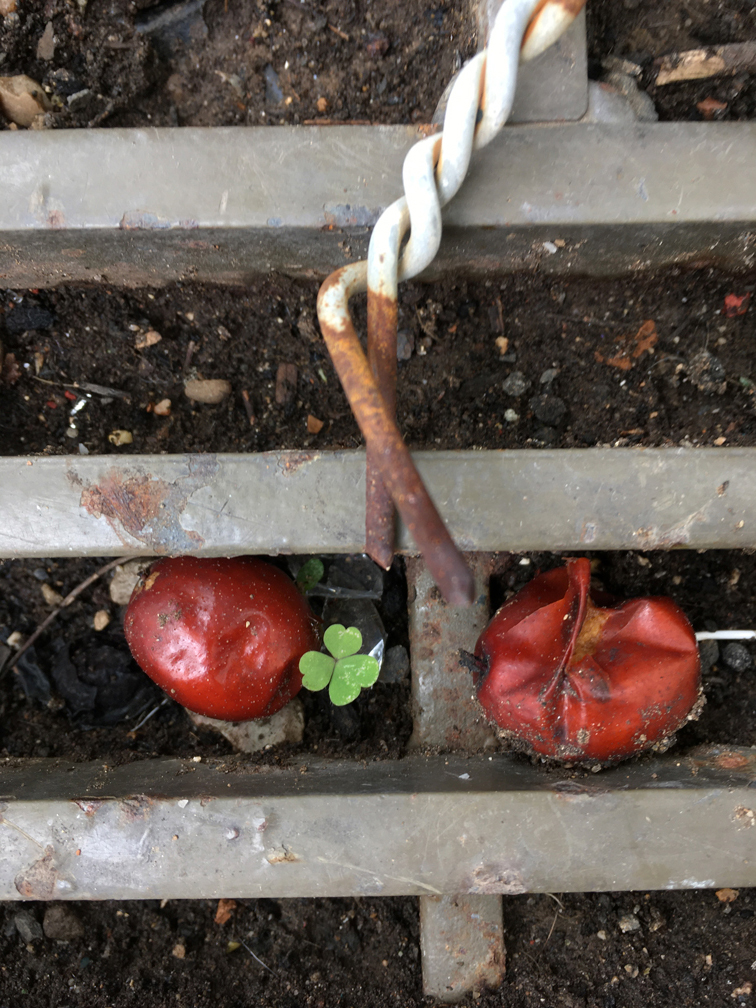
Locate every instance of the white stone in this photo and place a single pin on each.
(252, 736)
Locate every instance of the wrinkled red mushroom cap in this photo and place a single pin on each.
(576, 681)
(221, 636)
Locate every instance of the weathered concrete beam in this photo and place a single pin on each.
(152, 206)
(314, 502)
(420, 826)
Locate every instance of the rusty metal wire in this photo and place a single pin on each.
(478, 106)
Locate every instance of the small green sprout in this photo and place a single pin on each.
(347, 672)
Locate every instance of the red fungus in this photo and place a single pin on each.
(223, 637)
(580, 682)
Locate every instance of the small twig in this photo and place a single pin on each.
(147, 717)
(587, 321)
(662, 360)
(71, 597)
(102, 390)
(715, 61)
(551, 930)
(556, 900)
(189, 354)
(339, 32)
(248, 407)
(102, 116)
(258, 959)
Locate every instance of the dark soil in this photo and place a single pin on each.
(565, 951)
(240, 63)
(287, 61)
(521, 362)
(690, 948)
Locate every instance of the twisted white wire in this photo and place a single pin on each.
(479, 104)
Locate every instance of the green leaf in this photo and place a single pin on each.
(316, 669)
(360, 668)
(342, 641)
(309, 575)
(351, 675)
(342, 690)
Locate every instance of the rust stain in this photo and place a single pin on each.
(428, 129)
(495, 880)
(88, 805)
(136, 808)
(343, 215)
(744, 817)
(291, 462)
(56, 219)
(40, 879)
(281, 855)
(731, 761)
(571, 10)
(138, 505)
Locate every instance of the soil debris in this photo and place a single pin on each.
(210, 391)
(22, 100)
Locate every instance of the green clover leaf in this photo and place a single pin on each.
(342, 641)
(316, 669)
(347, 672)
(361, 668)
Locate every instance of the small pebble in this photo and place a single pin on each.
(61, 922)
(629, 923)
(314, 426)
(22, 99)
(550, 247)
(502, 344)
(210, 391)
(150, 338)
(516, 384)
(405, 344)
(708, 651)
(101, 619)
(737, 656)
(179, 951)
(511, 416)
(602, 935)
(27, 926)
(548, 376)
(120, 437)
(163, 408)
(125, 580)
(631, 970)
(46, 44)
(52, 598)
(396, 665)
(707, 372)
(549, 409)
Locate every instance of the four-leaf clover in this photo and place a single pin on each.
(347, 672)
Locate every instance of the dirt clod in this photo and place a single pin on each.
(62, 922)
